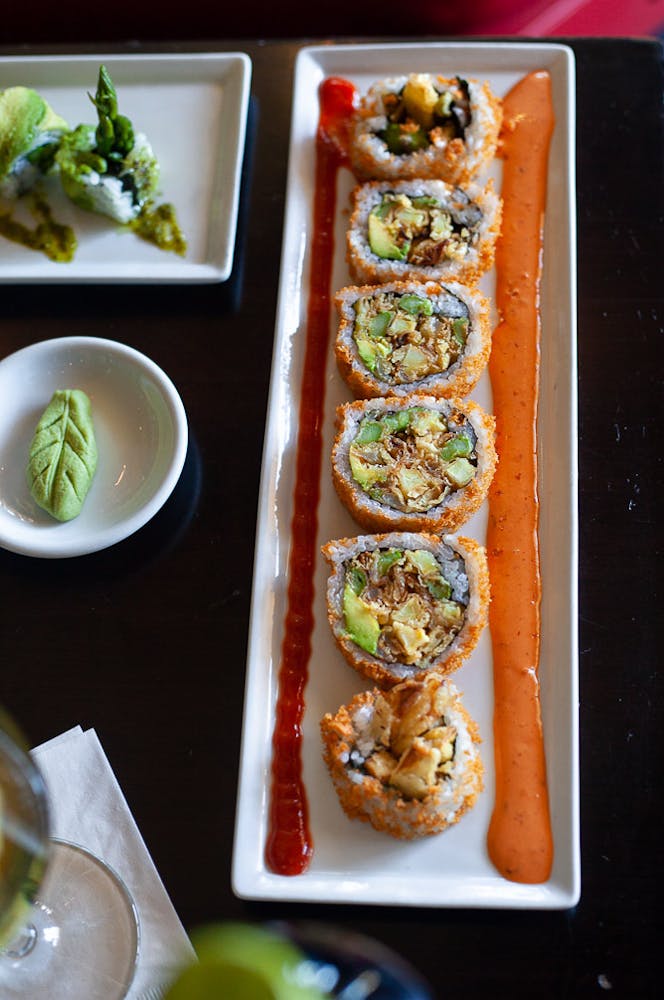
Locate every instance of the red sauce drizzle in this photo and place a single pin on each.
(520, 843)
(289, 846)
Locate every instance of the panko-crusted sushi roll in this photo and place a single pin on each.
(403, 605)
(421, 230)
(413, 464)
(425, 125)
(408, 336)
(405, 760)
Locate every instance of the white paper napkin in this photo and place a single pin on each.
(89, 808)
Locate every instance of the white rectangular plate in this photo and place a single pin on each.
(353, 863)
(193, 109)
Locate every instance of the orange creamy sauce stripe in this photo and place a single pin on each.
(519, 840)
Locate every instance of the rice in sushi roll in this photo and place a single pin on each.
(421, 230)
(403, 605)
(404, 337)
(413, 464)
(405, 760)
(425, 125)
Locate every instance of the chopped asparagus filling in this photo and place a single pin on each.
(399, 606)
(408, 743)
(402, 339)
(420, 230)
(412, 459)
(424, 112)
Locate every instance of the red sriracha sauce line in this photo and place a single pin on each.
(289, 846)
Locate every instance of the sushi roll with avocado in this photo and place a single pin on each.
(405, 760)
(30, 133)
(404, 337)
(413, 464)
(425, 125)
(110, 168)
(421, 230)
(403, 605)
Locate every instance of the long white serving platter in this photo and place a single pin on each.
(353, 863)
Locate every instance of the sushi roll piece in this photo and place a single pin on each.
(405, 760)
(30, 133)
(404, 337)
(413, 464)
(421, 230)
(110, 169)
(402, 605)
(425, 125)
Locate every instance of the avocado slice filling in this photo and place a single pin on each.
(424, 112)
(399, 606)
(419, 230)
(401, 338)
(411, 460)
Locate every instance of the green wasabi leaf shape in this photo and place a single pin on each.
(63, 455)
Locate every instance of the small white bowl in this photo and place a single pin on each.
(141, 430)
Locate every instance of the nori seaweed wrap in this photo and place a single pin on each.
(413, 463)
(425, 125)
(421, 230)
(403, 605)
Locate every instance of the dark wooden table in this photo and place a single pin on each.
(146, 641)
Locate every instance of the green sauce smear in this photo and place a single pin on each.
(55, 240)
(160, 226)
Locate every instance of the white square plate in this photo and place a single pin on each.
(352, 863)
(193, 109)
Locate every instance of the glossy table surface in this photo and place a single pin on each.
(146, 641)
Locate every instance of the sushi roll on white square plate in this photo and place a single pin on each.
(110, 169)
(30, 133)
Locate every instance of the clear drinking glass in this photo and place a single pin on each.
(68, 925)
